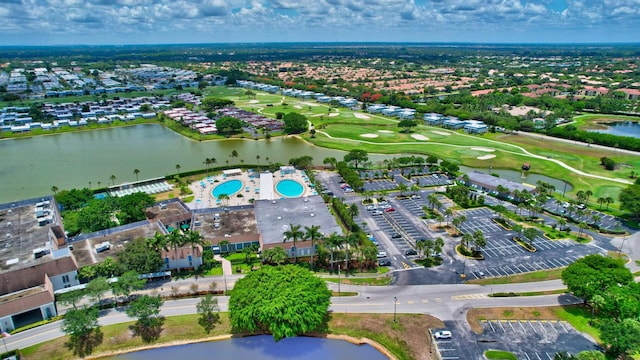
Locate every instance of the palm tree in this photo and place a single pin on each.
(582, 225)
(562, 223)
(258, 159)
(207, 164)
(234, 154)
(224, 198)
(312, 233)
(588, 194)
(158, 242)
(333, 241)
(113, 179)
(402, 187)
(294, 234)
(136, 172)
(54, 189)
(89, 185)
(479, 241)
(601, 201)
(178, 168)
(530, 234)
(353, 212)
(194, 239)
(175, 239)
(349, 240)
(99, 184)
(465, 240)
(608, 200)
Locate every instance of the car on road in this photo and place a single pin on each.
(384, 262)
(440, 335)
(389, 209)
(381, 254)
(410, 252)
(396, 236)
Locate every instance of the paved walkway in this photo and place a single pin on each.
(226, 265)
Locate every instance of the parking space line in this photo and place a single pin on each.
(502, 327)
(553, 327)
(521, 326)
(491, 325)
(532, 328)
(527, 355)
(538, 356)
(549, 356)
(541, 326)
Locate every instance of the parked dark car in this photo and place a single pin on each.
(384, 262)
(411, 252)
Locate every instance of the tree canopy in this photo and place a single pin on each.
(285, 301)
(211, 103)
(295, 123)
(630, 200)
(593, 274)
(229, 125)
(356, 156)
(140, 257)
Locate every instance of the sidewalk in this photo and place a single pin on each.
(226, 265)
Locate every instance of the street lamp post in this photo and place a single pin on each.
(621, 245)
(395, 303)
(338, 280)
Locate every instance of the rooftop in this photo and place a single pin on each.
(274, 216)
(21, 232)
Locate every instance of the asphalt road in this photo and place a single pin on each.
(447, 302)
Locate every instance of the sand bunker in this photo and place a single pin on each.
(254, 101)
(361, 116)
(419, 137)
(334, 114)
(369, 135)
(385, 131)
(297, 106)
(440, 132)
(486, 157)
(309, 104)
(483, 149)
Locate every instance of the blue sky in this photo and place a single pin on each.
(61, 22)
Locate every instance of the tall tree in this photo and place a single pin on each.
(356, 156)
(96, 289)
(333, 241)
(294, 234)
(136, 172)
(113, 179)
(209, 312)
(312, 233)
(54, 189)
(284, 301)
(127, 282)
(83, 329)
(146, 309)
(593, 274)
(176, 239)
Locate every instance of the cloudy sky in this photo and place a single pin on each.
(59, 22)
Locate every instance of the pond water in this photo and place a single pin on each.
(262, 348)
(31, 166)
(623, 128)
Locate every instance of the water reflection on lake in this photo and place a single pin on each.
(622, 128)
(262, 348)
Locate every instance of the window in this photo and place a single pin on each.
(65, 279)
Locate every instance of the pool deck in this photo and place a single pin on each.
(252, 188)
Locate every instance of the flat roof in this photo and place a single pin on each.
(20, 233)
(491, 181)
(274, 217)
(266, 186)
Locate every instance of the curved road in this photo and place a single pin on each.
(447, 302)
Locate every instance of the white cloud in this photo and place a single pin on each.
(317, 20)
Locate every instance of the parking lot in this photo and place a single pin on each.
(504, 257)
(527, 339)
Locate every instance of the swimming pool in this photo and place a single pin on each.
(289, 188)
(228, 187)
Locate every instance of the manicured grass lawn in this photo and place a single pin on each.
(405, 339)
(377, 281)
(499, 355)
(535, 276)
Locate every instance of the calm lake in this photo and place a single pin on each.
(624, 128)
(31, 166)
(263, 348)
